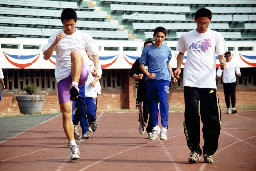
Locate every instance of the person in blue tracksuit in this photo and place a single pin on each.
(158, 77)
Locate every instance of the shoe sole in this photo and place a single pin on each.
(163, 138)
(75, 158)
(73, 93)
(153, 138)
(192, 161)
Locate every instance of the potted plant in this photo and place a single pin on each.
(31, 103)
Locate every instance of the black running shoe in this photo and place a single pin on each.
(93, 125)
(74, 92)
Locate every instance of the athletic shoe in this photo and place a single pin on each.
(163, 135)
(90, 128)
(76, 134)
(194, 157)
(155, 132)
(228, 111)
(74, 152)
(150, 135)
(86, 135)
(141, 129)
(234, 111)
(208, 158)
(74, 92)
(93, 125)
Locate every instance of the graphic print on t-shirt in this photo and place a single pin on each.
(201, 45)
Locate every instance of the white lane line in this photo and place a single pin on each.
(124, 151)
(30, 153)
(224, 148)
(239, 140)
(29, 129)
(121, 152)
(171, 159)
(63, 165)
(245, 117)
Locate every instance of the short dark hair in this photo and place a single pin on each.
(227, 53)
(203, 12)
(68, 14)
(148, 41)
(160, 29)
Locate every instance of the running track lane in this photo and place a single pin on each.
(117, 145)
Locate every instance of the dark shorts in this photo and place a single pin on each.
(64, 85)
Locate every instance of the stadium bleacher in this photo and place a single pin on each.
(127, 19)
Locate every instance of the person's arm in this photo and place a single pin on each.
(238, 72)
(134, 70)
(222, 60)
(96, 64)
(143, 69)
(174, 80)
(219, 73)
(2, 82)
(48, 52)
(95, 80)
(180, 58)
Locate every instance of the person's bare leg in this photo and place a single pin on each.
(66, 109)
(76, 65)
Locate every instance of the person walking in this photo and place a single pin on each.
(144, 118)
(199, 81)
(229, 81)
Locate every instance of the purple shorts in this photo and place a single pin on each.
(64, 85)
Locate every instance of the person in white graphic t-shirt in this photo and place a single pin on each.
(229, 82)
(199, 78)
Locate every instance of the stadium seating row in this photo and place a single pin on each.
(41, 4)
(44, 32)
(182, 2)
(50, 13)
(42, 18)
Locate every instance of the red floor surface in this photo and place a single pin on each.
(117, 145)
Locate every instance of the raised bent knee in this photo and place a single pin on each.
(76, 55)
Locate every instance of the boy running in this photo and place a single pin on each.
(158, 77)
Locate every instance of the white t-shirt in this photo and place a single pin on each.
(77, 41)
(89, 90)
(1, 74)
(230, 71)
(202, 48)
(1, 77)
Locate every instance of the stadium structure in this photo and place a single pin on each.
(120, 28)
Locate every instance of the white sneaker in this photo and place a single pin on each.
(150, 135)
(163, 135)
(141, 129)
(74, 152)
(90, 129)
(155, 132)
(228, 111)
(76, 133)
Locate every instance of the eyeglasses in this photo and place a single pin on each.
(206, 23)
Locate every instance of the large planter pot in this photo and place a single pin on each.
(29, 104)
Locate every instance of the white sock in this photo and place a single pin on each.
(72, 142)
(233, 108)
(75, 83)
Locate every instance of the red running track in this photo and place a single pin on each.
(117, 145)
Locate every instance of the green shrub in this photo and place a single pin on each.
(30, 89)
